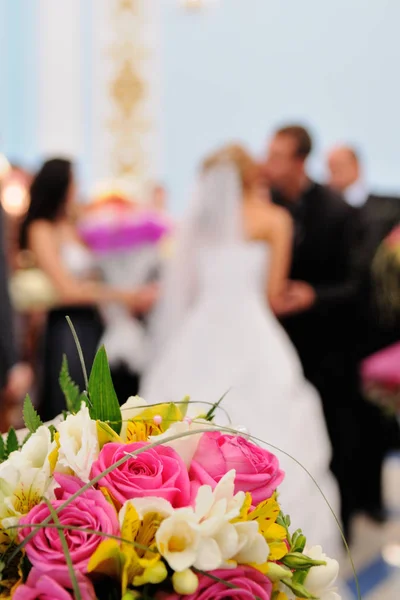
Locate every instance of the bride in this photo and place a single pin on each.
(215, 333)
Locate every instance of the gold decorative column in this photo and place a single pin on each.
(130, 122)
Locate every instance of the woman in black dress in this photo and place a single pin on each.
(50, 235)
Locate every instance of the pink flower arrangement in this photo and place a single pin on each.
(171, 507)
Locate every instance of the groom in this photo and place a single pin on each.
(321, 310)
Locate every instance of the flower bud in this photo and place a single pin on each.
(296, 560)
(300, 543)
(157, 573)
(185, 583)
(275, 572)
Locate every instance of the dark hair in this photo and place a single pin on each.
(48, 194)
(301, 136)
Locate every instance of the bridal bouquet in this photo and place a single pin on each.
(381, 378)
(143, 502)
(129, 244)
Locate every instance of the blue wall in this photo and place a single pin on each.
(243, 66)
(18, 82)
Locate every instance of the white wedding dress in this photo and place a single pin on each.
(229, 342)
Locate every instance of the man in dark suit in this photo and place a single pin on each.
(321, 308)
(377, 215)
(15, 377)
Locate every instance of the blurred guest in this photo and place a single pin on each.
(319, 314)
(345, 175)
(377, 215)
(15, 377)
(51, 236)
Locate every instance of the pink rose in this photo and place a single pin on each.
(158, 471)
(53, 585)
(257, 470)
(248, 582)
(89, 511)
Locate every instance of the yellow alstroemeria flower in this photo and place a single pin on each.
(266, 514)
(152, 421)
(105, 434)
(141, 421)
(134, 560)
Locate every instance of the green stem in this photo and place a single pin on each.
(80, 352)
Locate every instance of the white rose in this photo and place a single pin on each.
(320, 580)
(78, 444)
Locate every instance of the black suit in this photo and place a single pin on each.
(7, 349)
(377, 217)
(326, 231)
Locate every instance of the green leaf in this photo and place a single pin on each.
(12, 441)
(211, 413)
(69, 388)
(79, 350)
(104, 402)
(2, 449)
(31, 418)
(53, 431)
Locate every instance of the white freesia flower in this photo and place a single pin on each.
(320, 580)
(215, 507)
(252, 546)
(205, 538)
(179, 539)
(186, 446)
(131, 409)
(78, 444)
(25, 478)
